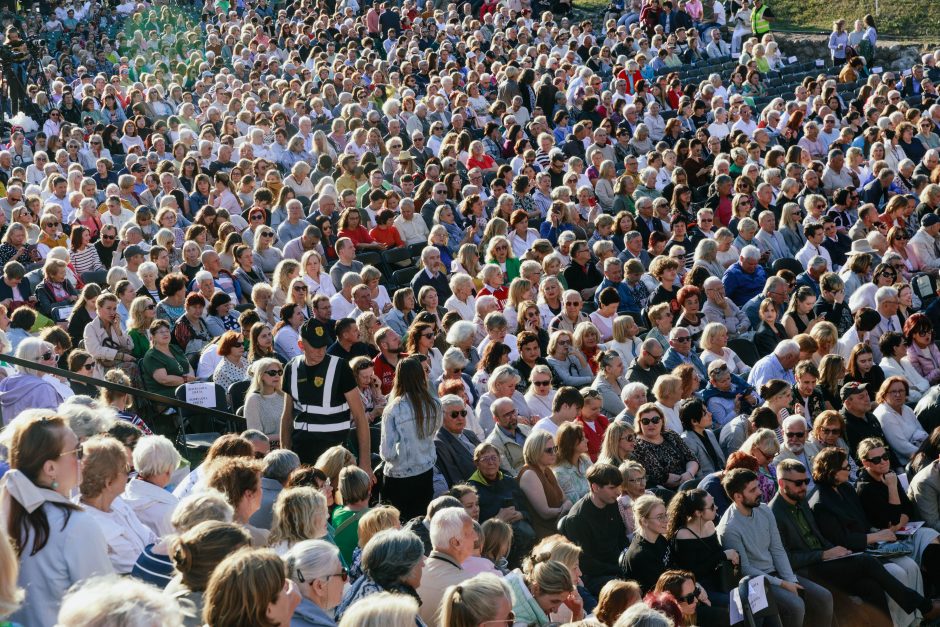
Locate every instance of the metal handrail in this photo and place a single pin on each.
(124, 389)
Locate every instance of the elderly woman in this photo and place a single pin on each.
(55, 295)
(503, 383)
(105, 340)
(164, 367)
(155, 460)
(700, 437)
(901, 427)
(569, 365)
(27, 388)
(392, 561)
(546, 500)
(610, 382)
(763, 446)
(104, 476)
(668, 392)
(714, 345)
(633, 395)
(316, 568)
(666, 458)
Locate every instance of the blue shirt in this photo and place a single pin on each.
(741, 286)
(769, 368)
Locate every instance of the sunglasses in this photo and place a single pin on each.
(689, 599)
(300, 288)
(542, 384)
(53, 224)
(274, 372)
(462, 413)
(796, 434)
(107, 237)
(47, 356)
(267, 235)
(877, 459)
(648, 421)
(832, 431)
(797, 482)
(552, 450)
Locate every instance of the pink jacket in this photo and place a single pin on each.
(926, 361)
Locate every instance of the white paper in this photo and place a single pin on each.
(757, 598)
(791, 60)
(910, 528)
(903, 482)
(877, 70)
(907, 72)
(820, 63)
(201, 394)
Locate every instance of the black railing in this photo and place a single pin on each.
(124, 389)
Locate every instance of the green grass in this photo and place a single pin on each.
(898, 18)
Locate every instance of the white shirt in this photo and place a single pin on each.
(672, 418)
(325, 285)
(545, 424)
(341, 306)
(125, 534)
(809, 251)
(509, 340)
(466, 309)
(903, 431)
(153, 505)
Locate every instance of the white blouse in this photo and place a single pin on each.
(125, 534)
(902, 430)
(324, 286)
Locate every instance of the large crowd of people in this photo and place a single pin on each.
(517, 319)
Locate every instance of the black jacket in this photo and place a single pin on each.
(857, 429)
(840, 516)
(800, 553)
(454, 460)
(645, 231)
(602, 537)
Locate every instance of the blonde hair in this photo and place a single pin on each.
(534, 446)
(382, 610)
(474, 601)
(299, 513)
(104, 460)
(11, 597)
(643, 506)
(377, 519)
(333, 460)
(555, 547)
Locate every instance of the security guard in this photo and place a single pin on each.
(760, 18)
(324, 398)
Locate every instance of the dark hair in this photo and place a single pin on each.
(218, 299)
(23, 318)
(411, 384)
(772, 388)
(691, 410)
(764, 418)
(889, 341)
(172, 283)
(826, 464)
(567, 395)
(867, 319)
(492, 355)
(307, 476)
(917, 323)
(609, 296)
(682, 507)
(734, 481)
(601, 474)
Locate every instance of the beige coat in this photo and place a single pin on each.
(104, 347)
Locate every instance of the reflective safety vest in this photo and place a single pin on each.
(759, 25)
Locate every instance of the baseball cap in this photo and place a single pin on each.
(314, 333)
(132, 251)
(850, 389)
(930, 219)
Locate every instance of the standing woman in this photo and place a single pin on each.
(409, 424)
(45, 468)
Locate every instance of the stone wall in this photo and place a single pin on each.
(889, 55)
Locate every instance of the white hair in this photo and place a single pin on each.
(787, 348)
(312, 559)
(446, 525)
(632, 388)
(750, 252)
(113, 601)
(885, 293)
(155, 455)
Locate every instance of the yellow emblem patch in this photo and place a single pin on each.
(319, 332)
(318, 381)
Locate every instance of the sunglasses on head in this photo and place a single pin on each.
(648, 421)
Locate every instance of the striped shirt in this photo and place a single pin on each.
(86, 260)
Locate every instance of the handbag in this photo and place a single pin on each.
(728, 576)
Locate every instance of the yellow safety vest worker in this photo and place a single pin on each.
(759, 25)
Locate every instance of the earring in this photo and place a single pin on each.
(55, 485)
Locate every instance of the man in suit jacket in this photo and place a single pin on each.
(834, 567)
(646, 223)
(454, 444)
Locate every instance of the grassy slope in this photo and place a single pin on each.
(896, 17)
(920, 18)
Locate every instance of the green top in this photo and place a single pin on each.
(154, 360)
(346, 537)
(141, 343)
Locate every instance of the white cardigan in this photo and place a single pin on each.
(903, 432)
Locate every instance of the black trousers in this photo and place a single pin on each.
(866, 577)
(309, 446)
(410, 495)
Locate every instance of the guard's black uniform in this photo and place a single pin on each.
(321, 414)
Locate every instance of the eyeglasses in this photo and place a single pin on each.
(796, 482)
(832, 431)
(898, 391)
(796, 434)
(552, 450)
(660, 518)
(648, 421)
(274, 372)
(79, 453)
(462, 413)
(489, 459)
(877, 459)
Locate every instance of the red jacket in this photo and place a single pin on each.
(595, 436)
